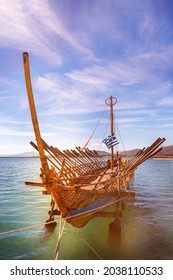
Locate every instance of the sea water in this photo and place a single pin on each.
(146, 224)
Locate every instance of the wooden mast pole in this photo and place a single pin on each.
(112, 130)
(34, 118)
(110, 102)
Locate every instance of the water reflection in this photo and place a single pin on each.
(114, 236)
(47, 232)
(144, 232)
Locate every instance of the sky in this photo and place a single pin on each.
(82, 52)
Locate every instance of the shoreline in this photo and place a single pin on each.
(163, 158)
(18, 157)
(155, 158)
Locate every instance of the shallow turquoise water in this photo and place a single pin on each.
(147, 223)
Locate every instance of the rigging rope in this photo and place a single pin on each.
(61, 230)
(89, 246)
(88, 141)
(68, 217)
(104, 134)
(120, 138)
(25, 228)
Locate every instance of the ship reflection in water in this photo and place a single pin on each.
(114, 236)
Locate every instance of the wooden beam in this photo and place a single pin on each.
(35, 184)
(34, 118)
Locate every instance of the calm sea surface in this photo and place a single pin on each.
(146, 229)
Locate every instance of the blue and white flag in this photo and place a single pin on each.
(110, 141)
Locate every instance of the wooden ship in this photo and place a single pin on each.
(81, 182)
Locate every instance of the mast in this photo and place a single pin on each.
(110, 102)
(112, 130)
(34, 118)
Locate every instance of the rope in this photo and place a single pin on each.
(62, 227)
(61, 230)
(89, 246)
(120, 138)
(88, 141)
(25, 228)
(104, 135)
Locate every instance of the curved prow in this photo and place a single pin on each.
(33, 112)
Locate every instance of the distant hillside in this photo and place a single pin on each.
(23, 155)
(34, 154)
(131, 152)
(166, 151)
(103, 153)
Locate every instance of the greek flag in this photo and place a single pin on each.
(110, 141)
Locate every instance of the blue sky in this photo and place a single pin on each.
(81, 52)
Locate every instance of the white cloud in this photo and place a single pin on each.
(72, 129)
(130, 120)
(62, 95)
(6, 81)
(85, 90)
(5, 96)
(11, 132)
(13, 122)
(168, 125)
(166, 101)
(103, 75)
(165, 119)
(79, 91)
(143, 112)
(34, 26)
(116, 48)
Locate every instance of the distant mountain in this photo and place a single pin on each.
(102, 153)
(34, 154)
(23, 155)
(167, 151)
(131, 152)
